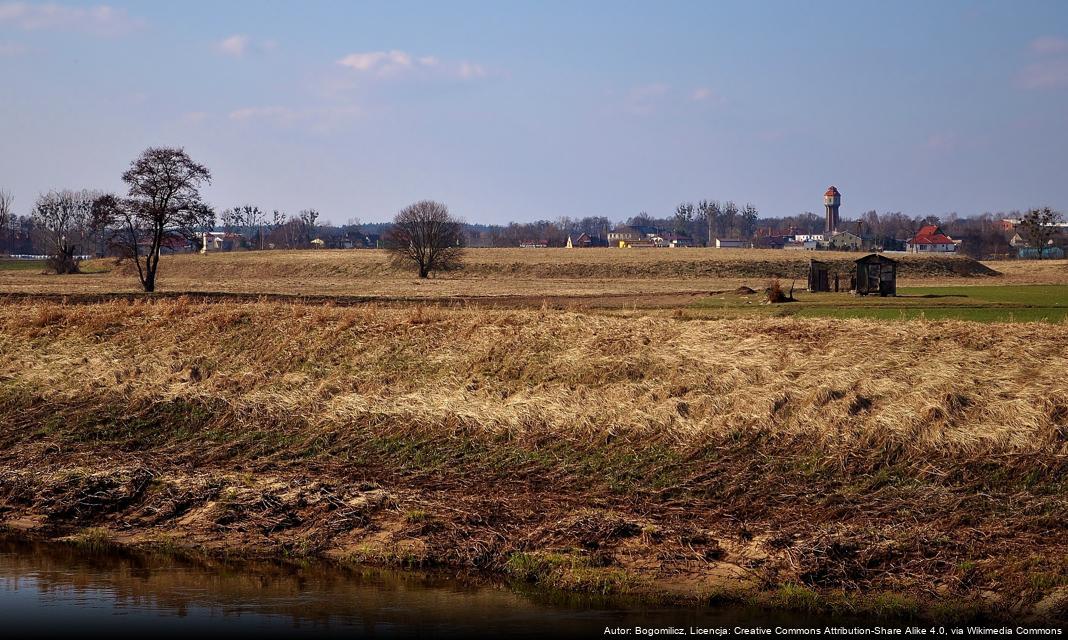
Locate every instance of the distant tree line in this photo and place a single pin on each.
(163, 212)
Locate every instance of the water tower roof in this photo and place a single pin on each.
(832, 191)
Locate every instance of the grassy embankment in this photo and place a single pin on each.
(902, 468)
(526, 276)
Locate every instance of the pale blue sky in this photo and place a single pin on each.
(508, 110)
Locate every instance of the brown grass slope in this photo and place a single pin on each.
(695, 458)
(558, 263)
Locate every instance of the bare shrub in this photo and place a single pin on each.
(428, 236)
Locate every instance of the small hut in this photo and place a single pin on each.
(817, 276)
(875, 274)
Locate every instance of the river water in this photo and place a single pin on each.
(49, 588)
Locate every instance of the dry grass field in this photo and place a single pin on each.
(898, 468)
(597, 420)
(522, 273)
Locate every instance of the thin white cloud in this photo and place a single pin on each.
(1049, 44)
(1045, 74)
(385, 64)
(239, 44)
(1048, 68)
(99, 19)
(235, 45)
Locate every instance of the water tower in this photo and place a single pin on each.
(832, 200)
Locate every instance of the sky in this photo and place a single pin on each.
(535, 110)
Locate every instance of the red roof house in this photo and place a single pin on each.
(930, 239)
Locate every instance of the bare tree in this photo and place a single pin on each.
(308, 222)
(230, 219)
(729, 216)
(710, 211)
(276, 231)
(1038, 227)
(62, 221)
(253, 219)
(749, 217)
(6, 201)
(426, 234)
(163, 202)
(683, 217)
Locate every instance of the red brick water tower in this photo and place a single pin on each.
(832, 200)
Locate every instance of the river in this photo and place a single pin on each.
(48, 588)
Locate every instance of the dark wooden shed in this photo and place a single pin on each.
(817, 276)
(875, 274)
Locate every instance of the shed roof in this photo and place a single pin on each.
(875, 257)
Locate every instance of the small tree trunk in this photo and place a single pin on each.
(149, 281)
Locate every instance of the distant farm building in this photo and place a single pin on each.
(845, 241)
(220, 241)
(672, 240)
(930, 239)
(582, 241)
(632, 235)
(876, 275)
(732, 243)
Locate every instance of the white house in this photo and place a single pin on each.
(930, 239)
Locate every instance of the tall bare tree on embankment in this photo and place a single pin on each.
(163, 203)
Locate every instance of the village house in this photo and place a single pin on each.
(353, 240)
(930, 239)
(802, 245)
(672, 240)
(220, 241)
(631, 236)
(845, 241)
(582, 241)
(770, 242)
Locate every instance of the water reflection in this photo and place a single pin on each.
(46, 588)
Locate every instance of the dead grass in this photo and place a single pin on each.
(487, 272)
(530, 374)
(821, 454)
